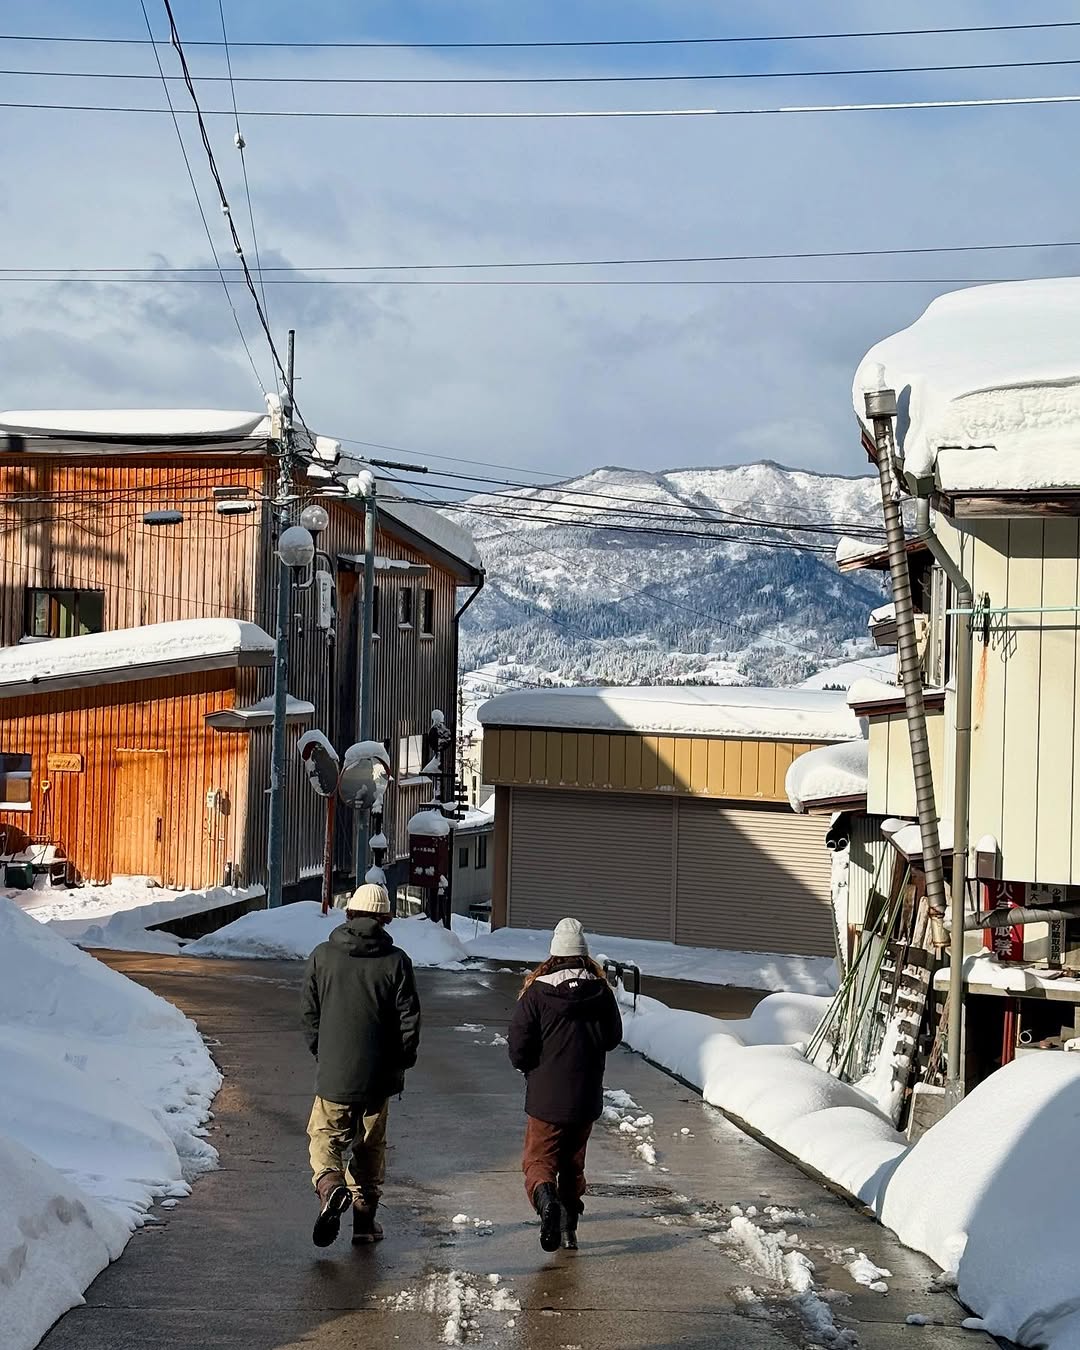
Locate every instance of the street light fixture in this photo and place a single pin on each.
(314, 518)
(295, 547)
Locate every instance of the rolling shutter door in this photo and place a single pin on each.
(753, 880)
(603, 858)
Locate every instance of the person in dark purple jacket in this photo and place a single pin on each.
(565, 1023)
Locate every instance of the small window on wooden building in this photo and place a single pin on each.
(15, 773)
(481, 852)
(410, 756)
(427, 613)
(405, 610)
(64, 613)
(463, 857)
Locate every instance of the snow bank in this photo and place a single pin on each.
(665, 960)
(119, 915)
(292, 932)
(988, 383)
(121, 652)
(993, 1166)
(755, 1070)
(763, 714)
(106, 1091)
(53, 1242)
(829, 773)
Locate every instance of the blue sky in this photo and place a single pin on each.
(543, 378)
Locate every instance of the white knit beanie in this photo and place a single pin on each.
(568, 939)
(369, 899)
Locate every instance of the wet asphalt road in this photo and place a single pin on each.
(233, 1266)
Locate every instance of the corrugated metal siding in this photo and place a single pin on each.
(869, 870)
(78, 809)
(706, 766)
(753, 880)
(605, 860)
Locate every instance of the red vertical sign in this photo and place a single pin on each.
(1007, 944)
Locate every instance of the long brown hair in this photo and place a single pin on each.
(554, 963)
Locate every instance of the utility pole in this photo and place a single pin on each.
(366, 671)
(275, 844)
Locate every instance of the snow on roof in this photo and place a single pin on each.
(988, 385)
(428, 523)
(138, 423)
(127, 653)
(883, 614)
(843, 676)
(830, 773)
(715, 710)
(906, 837)
(430, 823)
(261, 714)
(851, 550)
(872, 691)
(475, 818)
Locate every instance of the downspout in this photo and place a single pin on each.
(881, 411)
(954, 1082)
(457, 620)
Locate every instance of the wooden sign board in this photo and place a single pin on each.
(61, 763)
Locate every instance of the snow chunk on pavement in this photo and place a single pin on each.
(292, 932)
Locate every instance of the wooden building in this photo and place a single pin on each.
(661, 814)
(83, 555)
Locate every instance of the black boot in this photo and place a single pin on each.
(334, 1200)
(571, 1214)
(364, 1228)
(546, 1203)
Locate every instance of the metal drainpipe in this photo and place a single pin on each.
(954, 1082)
(881, 410)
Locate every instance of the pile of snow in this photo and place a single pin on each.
(761, 714)
(429, 823)
(292, 932)
(944, 1195)
(121, 652)
(623, 1114)
(830, 773)
(119, 915)
(106, 1085)
(988, 382)
(666, 960)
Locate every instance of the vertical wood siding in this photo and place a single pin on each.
(891, 783)
(79, 811)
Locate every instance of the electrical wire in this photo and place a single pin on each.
(577, 42)
(241, 145)
(202, 212)
(552, 79)
(571, 114)
(224, 201)
(545, 282)
(802, 256)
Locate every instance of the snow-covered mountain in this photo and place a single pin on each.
(569, 598)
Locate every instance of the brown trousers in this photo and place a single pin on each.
(556, 1154)
(350, 1140)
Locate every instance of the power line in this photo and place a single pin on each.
(677, 78)
(578, 114)
(562, 43)
(240, 143)
(801, 256)
(225, 207)
(202, 213)
(435, 282)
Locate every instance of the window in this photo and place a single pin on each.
(375, 611)
(427, 613)
(481, 852)
(405, 607)
(15, 782)
(463, 857)
(410, 756)
(53, 614)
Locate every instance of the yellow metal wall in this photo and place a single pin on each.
(744, 770)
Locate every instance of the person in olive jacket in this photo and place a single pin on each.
(361, 1016)
(565, 1023)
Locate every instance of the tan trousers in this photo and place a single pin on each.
(351, 1140)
